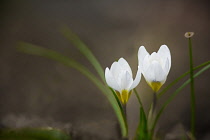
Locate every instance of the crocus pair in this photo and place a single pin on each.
(154, 67)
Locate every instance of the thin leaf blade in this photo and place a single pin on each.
(176, 92)
(53, 55)
(142, 130)
(33, 134)
(181, 77)
(80, 45)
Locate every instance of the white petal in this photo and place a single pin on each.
(110, 80)
(154, 56)
(155, 73)
(166, 67)
(126, 80)
(165, 54)
(115, 70)
(141, 54)
(137, 79)
(125, 66)
(146, 63)
(149, 75)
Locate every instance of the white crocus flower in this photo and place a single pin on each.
(155, 67)
(120, 78)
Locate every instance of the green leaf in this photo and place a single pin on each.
(117, 99)
(53, 55)
(192, 88)
(176, 92)
(142, 131)
(33, 134)
(180, 77)
(74, 39)
(36, 50)
(121, 109)
(139, 100)
(82, 47)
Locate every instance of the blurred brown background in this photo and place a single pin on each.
(32, 87)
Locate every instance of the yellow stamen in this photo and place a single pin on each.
(155, 86)
(124, 96)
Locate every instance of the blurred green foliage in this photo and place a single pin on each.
(33, 134)
(80, 45)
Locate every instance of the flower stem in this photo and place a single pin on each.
(153, 113)
(154, 102)
(125, 119)
(192, 89)
(139, 100)
(152, 116)
(125, 110)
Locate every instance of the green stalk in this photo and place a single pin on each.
(175, 93)
(139, 100)
(142, 129)
(154, 102)
(153, 116)
(126, 122)
(180, 77)
(192, 89)
(125, 110)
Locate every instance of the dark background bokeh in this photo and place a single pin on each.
(34, 88)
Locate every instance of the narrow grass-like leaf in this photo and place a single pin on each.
(36, 50)
(81, 46)
(180, 77)
(192, 88)
(139, 100)
(74, 39)
(33, 134)
(121, 108)
(39, 51)
(142, 131)
(117, 99)
(176, 92)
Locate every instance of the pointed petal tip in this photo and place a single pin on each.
(106, 72)
(142, 52)
(164, 50)
(137, 79)
(164, 47)
(114, 63)
(121, 58)
(142, 48)
(107, 69)
(124, 65)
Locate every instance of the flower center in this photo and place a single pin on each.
(124, 95)
(155, 85)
